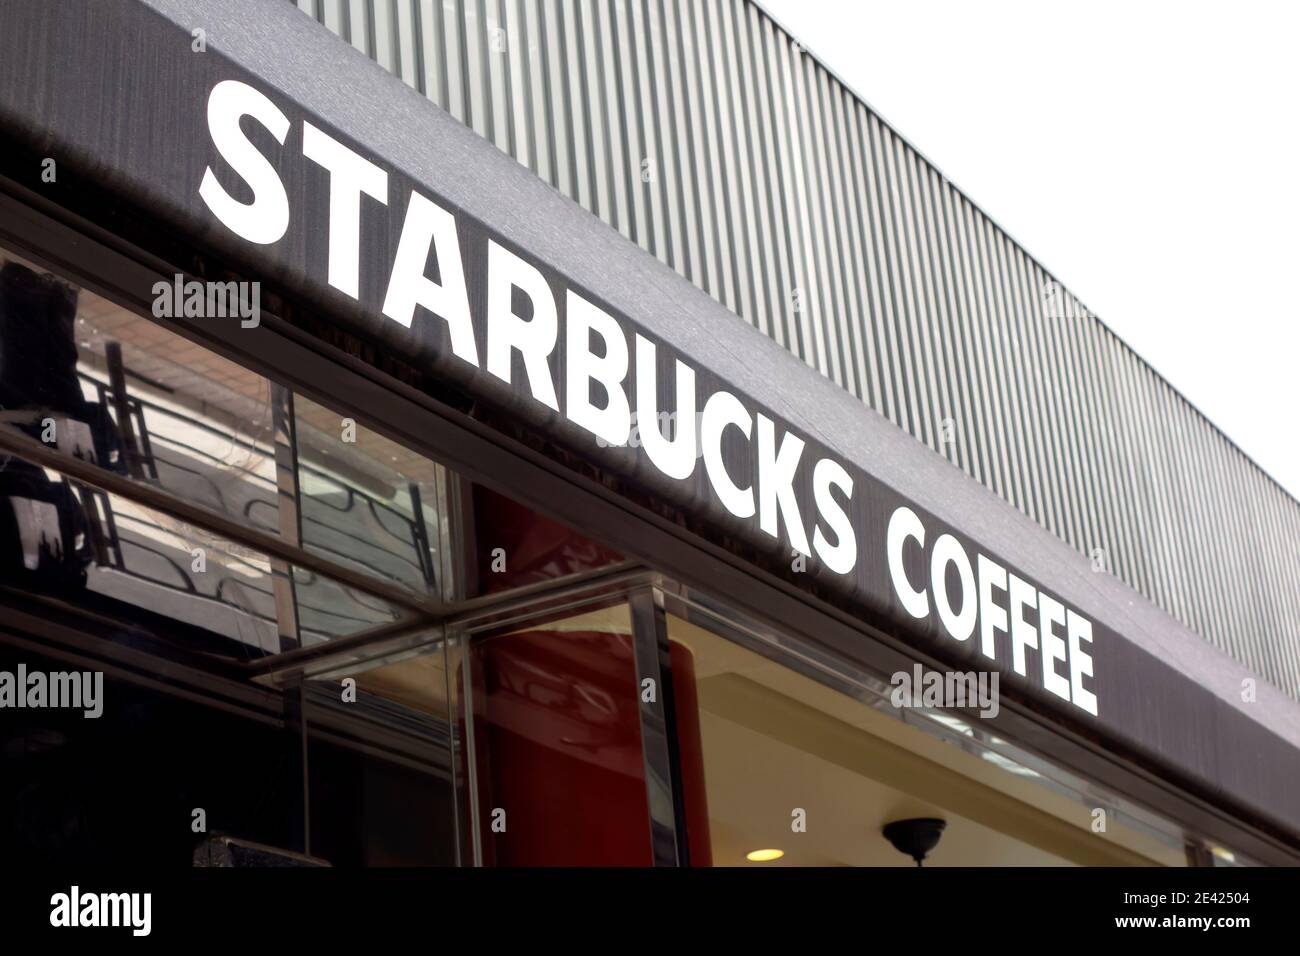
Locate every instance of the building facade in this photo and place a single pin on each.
(351, 447)
(705, 134)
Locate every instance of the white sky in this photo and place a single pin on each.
(1146, 152)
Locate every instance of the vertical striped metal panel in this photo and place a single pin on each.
(701, 131)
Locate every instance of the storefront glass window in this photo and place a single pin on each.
(556, 743)
(367, 501)
(163, 501)
(161, 498)
(123, 789)
(798, 774)
(509, 546)
(91, 381)
(103, 384)
(100, 553)
(381, 762)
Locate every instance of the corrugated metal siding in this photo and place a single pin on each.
(701, 131)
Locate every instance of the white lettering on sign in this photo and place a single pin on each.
(978, 607)
(613, 421)
(266, 218)
(755, 479)
(430, 227)
(776, 474)
(948, 551)
(842, 555)
(723, 409)
(532, 336)
(674, 456)
(350, 176)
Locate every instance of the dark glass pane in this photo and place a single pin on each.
(390, 802)
(121, 789)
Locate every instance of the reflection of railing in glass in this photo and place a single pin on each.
(164, 432)
(165, 446)
(152, 548)
(335, 523)
(402, 554)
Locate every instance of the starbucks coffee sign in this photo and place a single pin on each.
(498, 323)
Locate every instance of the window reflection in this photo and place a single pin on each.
(110, 554)
(557, 743)
(508, 545)
(110, 387)
(178, 426)
(116, 389)
(366, 501)
(160, 563)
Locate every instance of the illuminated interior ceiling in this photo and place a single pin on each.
(754, 782)
(775, 741)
